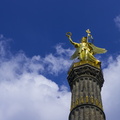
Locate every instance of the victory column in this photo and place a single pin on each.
(86, 80)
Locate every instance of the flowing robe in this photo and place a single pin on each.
(86, 51)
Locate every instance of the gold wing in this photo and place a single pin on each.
(76, 53)
(97, 50)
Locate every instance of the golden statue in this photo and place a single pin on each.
(85, 50)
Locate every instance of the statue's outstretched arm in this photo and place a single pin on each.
(69, 34)
(74, 43)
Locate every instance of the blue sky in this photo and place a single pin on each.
(34, 55)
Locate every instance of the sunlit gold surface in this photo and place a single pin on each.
(84, 62)
(88, 31)
(85, 51)
(87, 99)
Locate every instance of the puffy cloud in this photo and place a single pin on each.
(33, 97)
(111, 89)
(60, 62)
(25, 93)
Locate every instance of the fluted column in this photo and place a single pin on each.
(85, 83)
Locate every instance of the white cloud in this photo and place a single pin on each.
(25, 94)
(61, 51)
(33, 95)
(111, 89)
(56, 64)
(60, 62)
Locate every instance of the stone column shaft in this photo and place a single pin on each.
(85, 83)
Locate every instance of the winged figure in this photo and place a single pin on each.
(85, 50)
